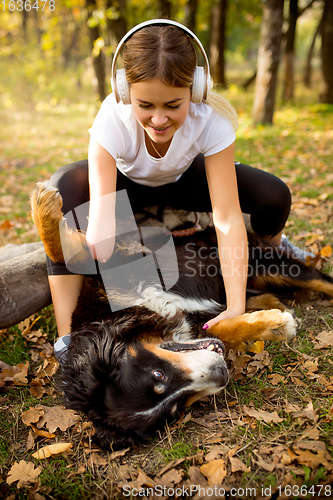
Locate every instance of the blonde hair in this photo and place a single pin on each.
(166, 53)
(223, 107)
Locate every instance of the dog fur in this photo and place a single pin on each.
(131, 370)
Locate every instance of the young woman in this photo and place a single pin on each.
(167, 145)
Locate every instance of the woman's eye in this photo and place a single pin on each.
(144, 106)
(158, 375)
(174, 107)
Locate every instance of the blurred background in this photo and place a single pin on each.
(272, 59)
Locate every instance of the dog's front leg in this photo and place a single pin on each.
(237, 333)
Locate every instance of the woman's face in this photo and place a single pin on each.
(160, 109)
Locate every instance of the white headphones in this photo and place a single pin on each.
(201, 79)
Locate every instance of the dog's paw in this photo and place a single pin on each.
(288, 327)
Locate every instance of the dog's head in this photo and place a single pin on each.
(129, 380)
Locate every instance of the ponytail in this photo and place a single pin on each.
(223, 107)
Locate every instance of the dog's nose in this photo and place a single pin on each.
(221, 375)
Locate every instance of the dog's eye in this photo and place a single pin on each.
(158, 375)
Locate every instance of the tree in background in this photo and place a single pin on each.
(218, 42)
(268, 61)
(327, 51)
(289, 52)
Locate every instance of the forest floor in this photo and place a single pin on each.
(269, 434)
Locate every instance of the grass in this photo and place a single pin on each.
(49, 129)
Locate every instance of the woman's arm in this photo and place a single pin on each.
(102, 184)
(230, 230)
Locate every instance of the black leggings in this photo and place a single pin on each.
(262, 195)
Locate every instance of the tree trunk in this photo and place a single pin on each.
(191, 14)
(268, 61)
(98, 57)
(308, 68)
(327, 51)
(218, 42)
(164, 8)
(24, 287)
(289, 53)
(117, 27)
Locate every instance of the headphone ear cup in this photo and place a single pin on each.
(122, 88)
(198, 90)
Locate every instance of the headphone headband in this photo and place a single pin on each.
(159, 22)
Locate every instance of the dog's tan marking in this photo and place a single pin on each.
(171, 356)
(235, 333)
(315, 285)
(265, 301)
(132, 352)
(318, 286)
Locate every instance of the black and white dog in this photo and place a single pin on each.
(132, 369)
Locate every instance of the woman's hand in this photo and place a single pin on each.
(227, 314)
(100, 244)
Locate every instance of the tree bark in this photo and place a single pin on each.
(24, 287)
(268, 62)
(327, 51)
(218, 42)
(98, 59)
(164, 7)
(308, 67)
(289, 53)
(191, 14)
(117, 27)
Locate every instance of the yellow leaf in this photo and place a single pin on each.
(214, 471)
(52, 449)
(257, 346)
(326, 251)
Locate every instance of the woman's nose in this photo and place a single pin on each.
(159, 119)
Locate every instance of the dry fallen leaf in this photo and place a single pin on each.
(23, 472)
(32, 415)
(196, 477)
(96, 459)
(263, 415)
(214, 471)
(324, 340)
(15, 374)
(257, 347)
(52, 449)
(307, 412)
(238, 465)
(276, 378)
(326, 251)
(171, 478)
(53, 417)
(57, 417)
(42, 433)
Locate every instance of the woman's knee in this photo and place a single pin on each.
(72, 183)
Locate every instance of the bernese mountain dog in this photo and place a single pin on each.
(138, 355)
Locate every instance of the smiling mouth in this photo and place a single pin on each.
(159, 129)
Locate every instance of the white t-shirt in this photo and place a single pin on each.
(117, 130)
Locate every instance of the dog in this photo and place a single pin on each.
(131, 369)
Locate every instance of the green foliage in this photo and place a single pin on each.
(13, 349)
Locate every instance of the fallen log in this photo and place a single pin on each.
(24, 287)
(11, 250)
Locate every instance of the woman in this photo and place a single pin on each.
(156, 138)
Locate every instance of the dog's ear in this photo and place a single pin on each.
(112, 438)
(89, 365)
